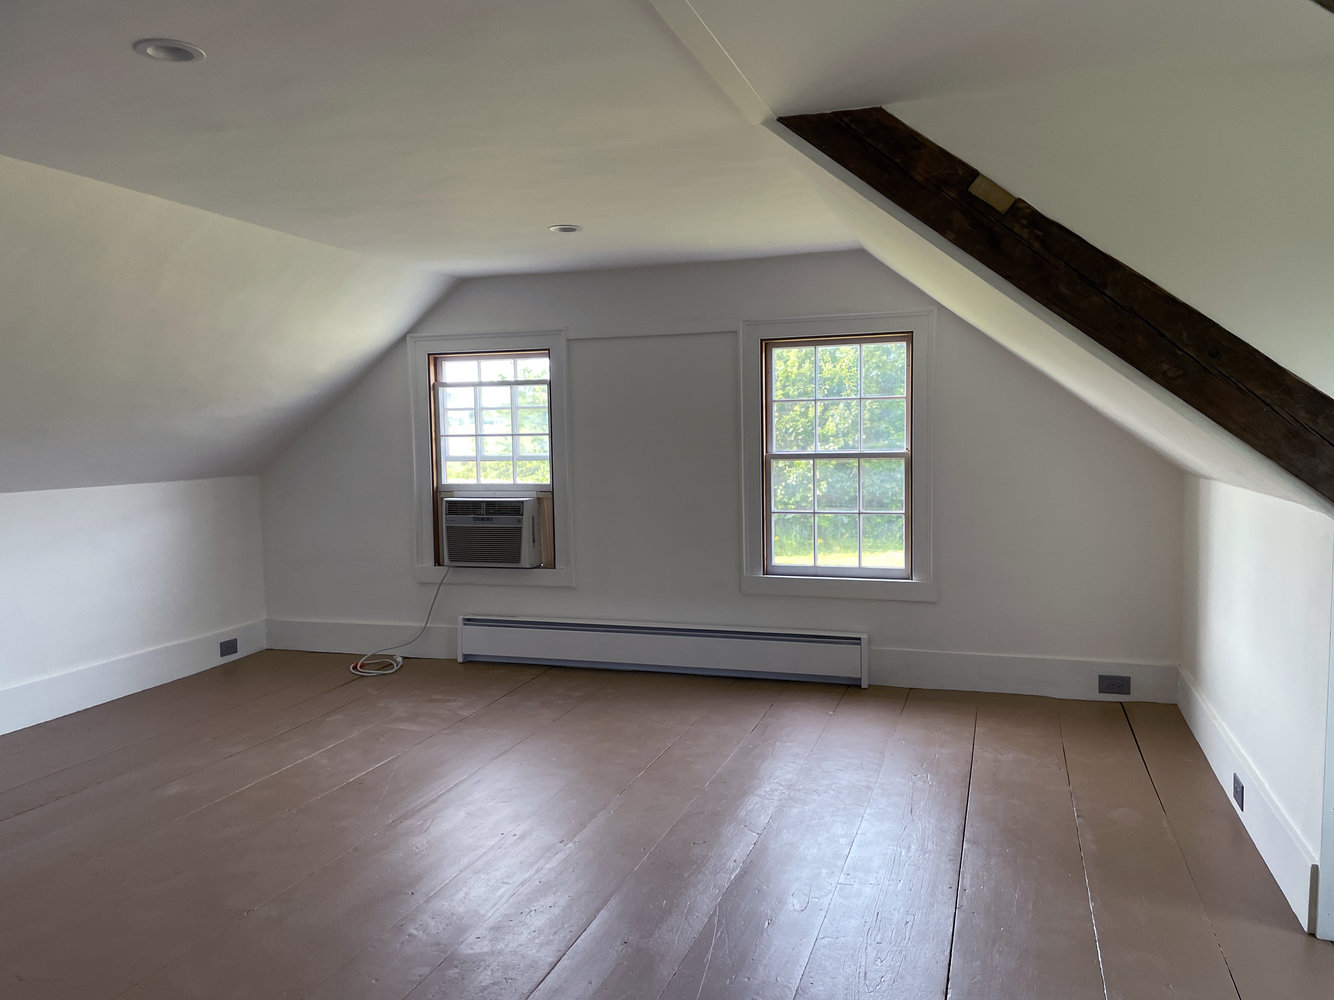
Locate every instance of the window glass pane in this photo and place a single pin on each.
(794, 426)
(539, 445)
(460, 422)
(455, 396)
(794, 540)
(497, 472)
(838, 425)
(535, 367)
(498, 445)
(498, 370)
(794, 372)
(460, 371)
(882, 541)
(886, 425)
(836, 539)
(460, 472)
(496, 395)
(497, 422)
(837, 371)
(461, 447)
(885, 369)
(882, 484)
(836, 484)
(530, 395)
(533, 421)
(532, 472)
(791, 483)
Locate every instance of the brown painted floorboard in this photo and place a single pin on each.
(276, 828)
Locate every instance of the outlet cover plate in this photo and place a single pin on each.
(1114, 684)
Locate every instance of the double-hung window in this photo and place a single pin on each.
(837, 456)
(836, 498)
(488, 417)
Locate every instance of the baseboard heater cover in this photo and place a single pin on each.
(789, 654)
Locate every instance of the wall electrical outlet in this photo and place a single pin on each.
(1114, 684)
(1239, 792)
(227, 647)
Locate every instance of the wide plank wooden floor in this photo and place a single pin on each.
(278, 828)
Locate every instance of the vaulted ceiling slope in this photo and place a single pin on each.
(1189, 140)
(144, 341)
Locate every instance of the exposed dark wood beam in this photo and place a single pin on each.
(1222, 376)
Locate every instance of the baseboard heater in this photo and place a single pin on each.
(790, 654)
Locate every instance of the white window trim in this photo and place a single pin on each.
(922, 586)
(420, 347)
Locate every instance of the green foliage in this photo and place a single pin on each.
(885, 369)
(791, 484)
(794, 426)
(497, 421)
(793, 539)
(836, 539)
(837, 370)
(836, 484)
(532, 472)
(534, 421)
(882, 484)
(886, 426)
(882, 541)
(794, 372)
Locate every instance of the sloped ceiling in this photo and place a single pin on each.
(1190, 140)
(144, 341)
(423, 138)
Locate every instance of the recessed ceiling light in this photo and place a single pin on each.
(565, 227)
(168, 50)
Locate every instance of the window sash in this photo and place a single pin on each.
(519, 451)
(859, 455)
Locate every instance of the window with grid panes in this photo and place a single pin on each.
(837, 456)
(492, 416)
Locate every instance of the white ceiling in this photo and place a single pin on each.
(1193, 139)
(447, 133)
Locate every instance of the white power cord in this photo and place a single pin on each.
(388, 664)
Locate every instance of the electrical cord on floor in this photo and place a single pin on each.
(365, 667)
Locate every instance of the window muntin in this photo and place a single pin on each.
(491, 419)
(837, 456)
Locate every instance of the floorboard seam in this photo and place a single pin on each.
(963, 846)
(852, 841)
(1083, 864)
(1185, 861)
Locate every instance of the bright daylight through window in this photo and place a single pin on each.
(837, 456)
(492, 419)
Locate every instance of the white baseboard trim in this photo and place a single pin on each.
(440, 641)
(44, 698)
(1054, 677)
(1289, 857)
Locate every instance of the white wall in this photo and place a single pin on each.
(108, 590)
(1057, 535)
(1255, 673)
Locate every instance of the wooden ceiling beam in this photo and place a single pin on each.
(1222, 376)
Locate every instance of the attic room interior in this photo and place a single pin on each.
(915, 420)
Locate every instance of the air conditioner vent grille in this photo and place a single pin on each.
(484, 507)
(478, 543)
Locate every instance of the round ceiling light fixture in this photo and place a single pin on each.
(168, 50)
(565, 227)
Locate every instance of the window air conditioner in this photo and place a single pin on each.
(490, 531)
